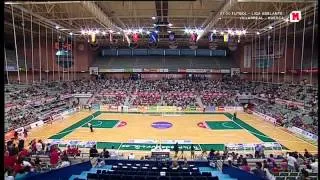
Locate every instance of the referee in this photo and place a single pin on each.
(90, 126)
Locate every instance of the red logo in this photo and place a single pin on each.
(295, 16)
(122, 123)
(202, 125)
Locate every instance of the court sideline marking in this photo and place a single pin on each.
(64, 132)
(230, 127)
(290, 135)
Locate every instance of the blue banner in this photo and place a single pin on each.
(96, 107)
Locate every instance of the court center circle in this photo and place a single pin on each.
(161, 125)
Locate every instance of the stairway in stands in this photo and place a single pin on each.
(216, 172)
(83, 175)
(198, 100)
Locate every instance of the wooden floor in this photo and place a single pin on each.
(184, 128)
(285, 138)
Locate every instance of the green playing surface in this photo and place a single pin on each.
(222, 125)
(102, 123)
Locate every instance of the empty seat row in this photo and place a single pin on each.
(154, 173)
(92, 176)
(143, 164)
(135, 168)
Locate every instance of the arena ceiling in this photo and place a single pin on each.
(176, 16)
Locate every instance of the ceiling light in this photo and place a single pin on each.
(244, 31)
(154, 24)
(148, 32)
(118, 32)
(156, 31)
(111, 31)
(186, 30)
(214, 31)
(97, 31)
(71, 33)
(153, 17)
(169, 31)
(90, 31)
(221, 33)
(229, 31)
(83, 31)
(170, 24)
(140, 30)
(270, 27)
(258, 33)
(57, 27)
(103, 32)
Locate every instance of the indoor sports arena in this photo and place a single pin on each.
(161, 90)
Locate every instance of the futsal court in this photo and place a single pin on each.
(205, 131)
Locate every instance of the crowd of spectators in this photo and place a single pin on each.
(146, 99)
(22, 160)
(182, 100)
(216, 99)
(31, 102)
(269, 166)
(288, 116)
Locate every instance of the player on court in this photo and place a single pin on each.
(90, 126)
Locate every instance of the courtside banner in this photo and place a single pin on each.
(286, 102)
(225, 71)
(96, 107)
(111, 70)
(176, 141)
(264, 117)
(137, 70)
(239, 108)
(36, 124)
(104, 107)
(67, 112)
(303, 133)
(57, 116)
(133, 109)
(151, 70)
(142, 141)
(220, 108)
(215, 71)
(197, 70)
(181, 70)
(19, 130)
(229, 108)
